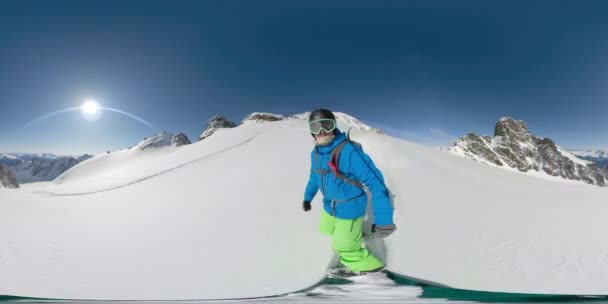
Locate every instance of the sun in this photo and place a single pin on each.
(90, 107)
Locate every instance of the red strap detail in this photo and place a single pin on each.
(332, 164)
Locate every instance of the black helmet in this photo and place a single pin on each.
(321, 113)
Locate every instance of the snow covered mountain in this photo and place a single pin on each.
(600, 158)
(220, 122)
(515, 147)
(356, 123)
(7, 178)
(127, 166)
(216, 122)
(262, 117)
(223, 215)
(29, 168)
(163, 139)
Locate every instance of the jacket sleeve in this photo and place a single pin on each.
(311, 187)
(364, 170)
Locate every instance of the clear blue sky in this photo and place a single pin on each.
(429, 71)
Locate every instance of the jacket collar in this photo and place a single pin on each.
(340, 137)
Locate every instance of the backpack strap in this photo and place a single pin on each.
(333, 164)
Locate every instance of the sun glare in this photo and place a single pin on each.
(90, 107)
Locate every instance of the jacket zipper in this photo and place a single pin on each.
(323, 188)
(322, 175)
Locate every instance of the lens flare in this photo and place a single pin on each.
(91, 111)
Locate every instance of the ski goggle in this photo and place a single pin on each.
(325, 124)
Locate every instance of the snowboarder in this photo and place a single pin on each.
(347, 178)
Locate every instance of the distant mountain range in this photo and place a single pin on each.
(27, 167)
(515, 147)
(161, 152)
(38, 167)
(598, 157)
(512, 146)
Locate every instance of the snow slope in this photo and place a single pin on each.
(573, 157)
(221, 219)
(183, 234)
(471, 226)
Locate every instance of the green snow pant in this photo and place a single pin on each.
(347, 235)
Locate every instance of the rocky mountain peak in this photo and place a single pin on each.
(7, 178)
(263, 117)
(180, 139)
(156, 141)
(216, 122)
(163, 139)
(509, 127)
(515, 146)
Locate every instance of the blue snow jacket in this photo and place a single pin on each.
(341, 199)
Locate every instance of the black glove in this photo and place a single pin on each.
(306, 206)
(382, 231)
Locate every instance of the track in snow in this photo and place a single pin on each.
(153, 175)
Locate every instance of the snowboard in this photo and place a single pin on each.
(345, 273)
